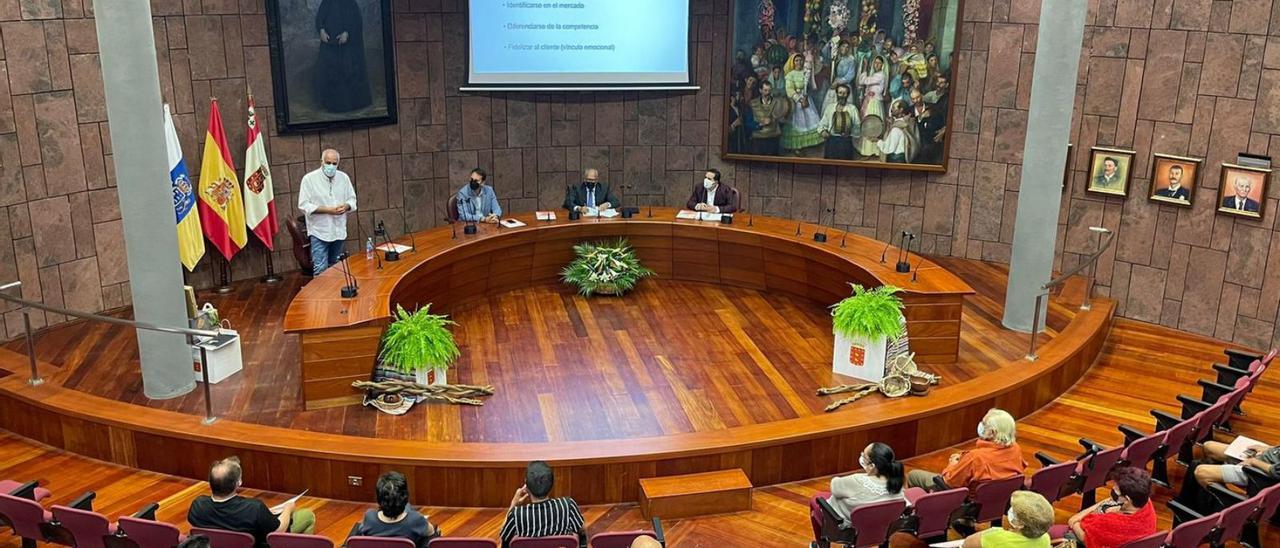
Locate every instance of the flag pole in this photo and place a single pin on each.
(225, 287)
(271, 277)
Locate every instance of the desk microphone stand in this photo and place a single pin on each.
(351, 287)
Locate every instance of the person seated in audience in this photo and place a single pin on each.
(229, 511)
(394, 517)
(711, 196)
(534, 514)
(195, 541)
(1026, 525)
(1127, 516)
(1217, 467)
(881, 479)
(645, 541)
(997, 456)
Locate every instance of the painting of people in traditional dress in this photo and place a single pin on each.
(843, 82)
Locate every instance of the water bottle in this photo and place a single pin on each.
(368, 249)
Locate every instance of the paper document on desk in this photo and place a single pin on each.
(948, 544)
(546, 215)
(606, 213)
(1239, 448)
(280, 507)
(698, 215)
(394, 247)
(511, 223)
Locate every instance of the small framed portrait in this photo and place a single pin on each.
(1110, 170)
(1242, 190)
(1173, 179)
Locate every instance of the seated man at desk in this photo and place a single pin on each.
(711, 196)
(590, 194)
(477, 202)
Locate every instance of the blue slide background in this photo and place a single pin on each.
(651, 36)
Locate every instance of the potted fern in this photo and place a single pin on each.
(864, 324)
(421, 344)
(605, 268)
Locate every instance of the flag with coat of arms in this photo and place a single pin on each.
(221, 206)
(259, 196)
(190, 241)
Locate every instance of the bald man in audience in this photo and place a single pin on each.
(645, 541)
(228, 511)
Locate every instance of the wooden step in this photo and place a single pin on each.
(675, 497)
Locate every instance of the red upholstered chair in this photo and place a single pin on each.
(295, 540)
(378, 542)
(30, 490)
(219, 538)
(25, 516)
(462, 542)
(869, 524)
(79, 528)
(1192, 533)
(1051, 481)
(147, 533)
(990, 499)
(562, 541)
(1138, 452)
(930, 514)
(1154, 540)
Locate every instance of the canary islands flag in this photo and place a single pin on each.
(190, 242)
(221, 206)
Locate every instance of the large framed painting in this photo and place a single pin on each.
(332, 63)
(842, 82)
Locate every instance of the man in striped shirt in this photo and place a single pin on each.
(533, 514)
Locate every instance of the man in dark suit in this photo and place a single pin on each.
(1175, 190)
(590, 194)
(1241, 200)
(711, 196)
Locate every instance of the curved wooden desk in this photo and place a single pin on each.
(340, 336)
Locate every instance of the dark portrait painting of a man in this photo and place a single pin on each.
(342, 81)
(332, 63)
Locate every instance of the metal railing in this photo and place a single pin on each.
(1090, 262)
(189, 334)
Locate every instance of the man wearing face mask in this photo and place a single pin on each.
(477, 202)
(711, 196)
(325, 197)
(591, 194)
(997, 456)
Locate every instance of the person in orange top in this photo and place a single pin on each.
(997, 456)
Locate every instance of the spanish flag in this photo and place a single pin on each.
(221, 207)
(190, 243)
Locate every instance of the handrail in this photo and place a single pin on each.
(1062, 278)
(1090, 261)
(108, 319)
(187, 332)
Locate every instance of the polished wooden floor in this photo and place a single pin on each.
(672, 357)
(1143, 367)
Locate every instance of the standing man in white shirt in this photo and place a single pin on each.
(326, 197)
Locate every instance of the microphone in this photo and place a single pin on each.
(451, 224)
(351, 287)
(750, 219)
(404, 223)
(844, 235)
(821, 237)
(886, 249)
(903, 265)
(391, 254)
(919, 259)
(650, 211)
(798, 225)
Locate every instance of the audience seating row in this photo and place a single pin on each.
(76, 524)
(930, 516)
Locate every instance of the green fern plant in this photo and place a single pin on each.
(869, 313)
(604, 267)
(418, 340)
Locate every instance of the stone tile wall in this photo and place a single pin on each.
(1188, 77)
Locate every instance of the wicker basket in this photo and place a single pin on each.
(606, 289)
